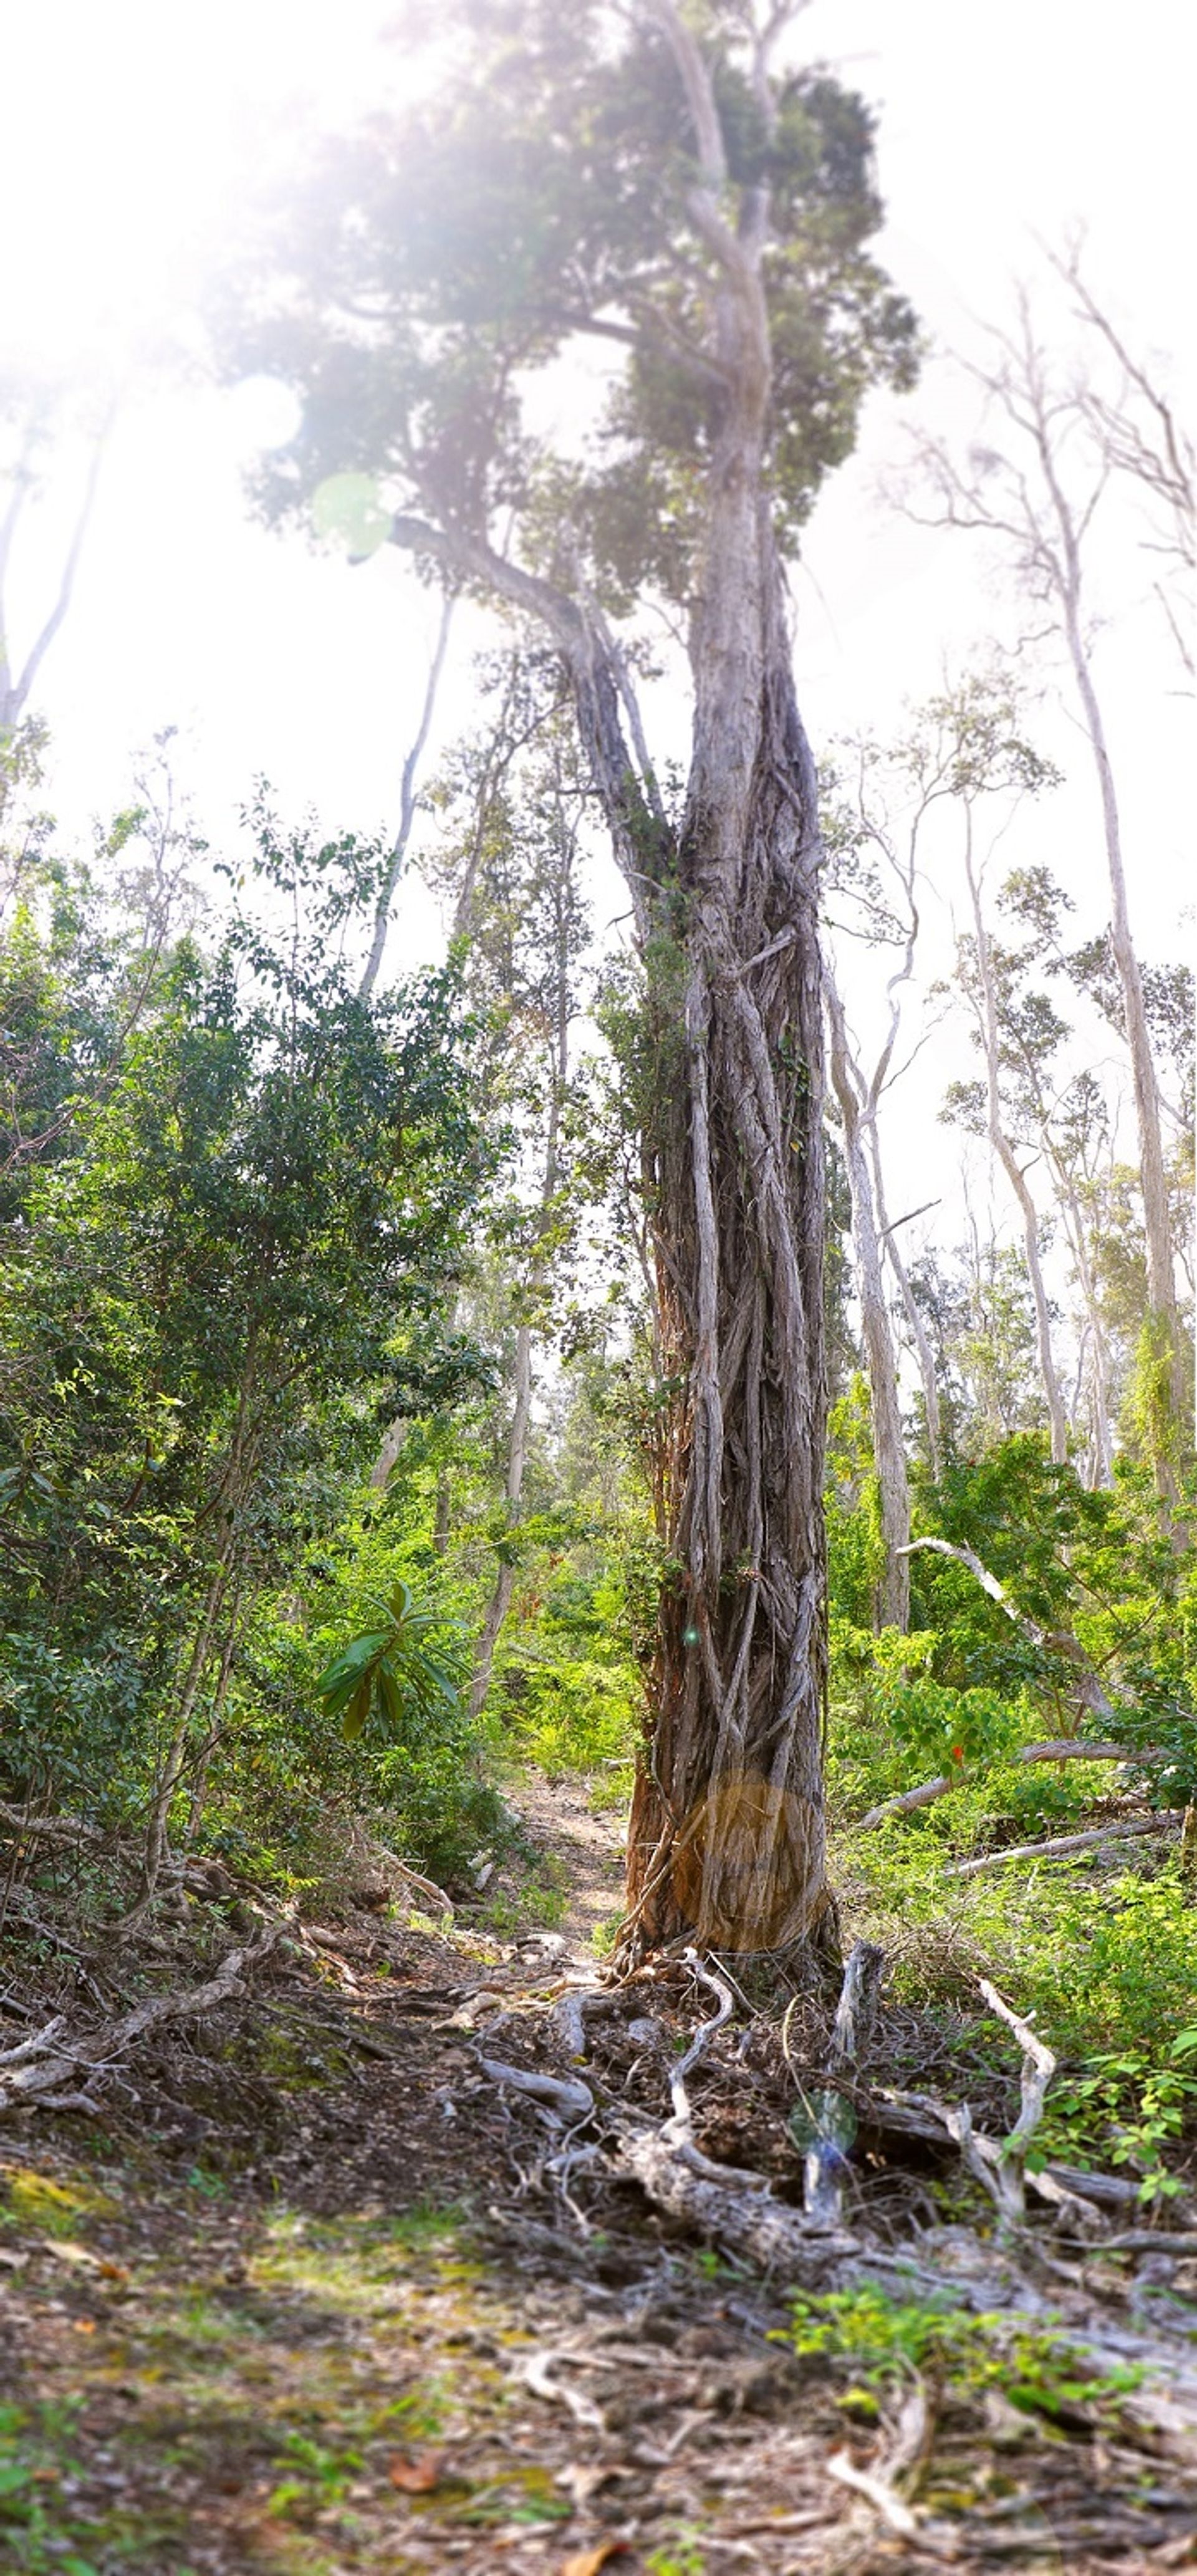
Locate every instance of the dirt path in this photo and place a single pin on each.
(582, 1851)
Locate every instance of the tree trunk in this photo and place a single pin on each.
(517, 1454)
(915, 1323)
(726, 1837)
(1007, 1157)
(727, 1832)
(889, 1455)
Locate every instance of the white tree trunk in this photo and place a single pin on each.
(990, 1028)
(888, 1449)
(914, 1319)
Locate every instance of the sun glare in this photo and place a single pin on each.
(132, 139)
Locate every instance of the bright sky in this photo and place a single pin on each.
(131, 136)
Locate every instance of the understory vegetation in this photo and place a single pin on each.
(598, 1536)
(270, 1248)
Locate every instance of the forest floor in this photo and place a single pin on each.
(309, 2298)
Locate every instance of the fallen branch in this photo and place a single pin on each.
(43, 2070)
(53, 1829)
(1071, 2191)
(876, 2491)
(1059, 1845)
(905, 1804)
(725, 2212)
(1088, 1689)
(536, 2372)
(824, 2163)
(1063, 1748)
(1038, 2068)
(566, 2095)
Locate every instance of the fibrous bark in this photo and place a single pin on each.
(727, 1830)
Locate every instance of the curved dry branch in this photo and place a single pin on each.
(44, 2071)
(1059, 1845)
(1062, 1748)
(407, 798)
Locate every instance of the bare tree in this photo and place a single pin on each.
(1136, 429)
(874, 872)
(982, 984)
(17, 676)
(1039, 492)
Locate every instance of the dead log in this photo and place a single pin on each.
(1061, 1748)
(45, 2071)
(754, 2223)
(1058, 1846)
(50, 1829)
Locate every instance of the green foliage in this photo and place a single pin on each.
(232, 1264)
(569, 1692)
(392, 1672)
(882, 2340)
(1128, 2107)
(542, 193)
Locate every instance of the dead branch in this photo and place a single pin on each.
(1087, 1686)
(43, 2070)
(1072, 2192)
(824, 2164)
(54, 1829)
(754, 2223)
(1059, 1845)
(677, 2135)
(1038, 2068)
(879, 2486)
(905, 1805)
(536, 2373)
(566, 2096)
(856, 2010)
(1059, 1748)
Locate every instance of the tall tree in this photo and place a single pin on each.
(511, 865)
(651, 180)
(1038, 492)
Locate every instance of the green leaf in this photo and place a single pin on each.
(390, 1693)
(348, 508)
(357, 1712)
(340, 1678)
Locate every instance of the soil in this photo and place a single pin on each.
(311, 2301)
(580, 1845)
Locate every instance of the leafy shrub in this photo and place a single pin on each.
(881, 2340)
